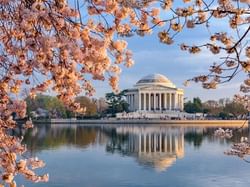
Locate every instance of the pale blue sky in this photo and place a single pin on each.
(151, 56)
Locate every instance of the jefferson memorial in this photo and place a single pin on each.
(155, 96)
(155, 93)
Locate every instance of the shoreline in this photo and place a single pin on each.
(224, 123)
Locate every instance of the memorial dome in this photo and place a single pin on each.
(155, 79)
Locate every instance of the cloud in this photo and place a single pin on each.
(151, 56)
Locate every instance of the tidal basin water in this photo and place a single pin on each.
(135, 156)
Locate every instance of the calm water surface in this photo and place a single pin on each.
(135, 156)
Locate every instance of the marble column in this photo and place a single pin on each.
(144, 101)
(160, 106)
(157, 101)
(130, 101)
(165, 101)
(154, 96)
(170, 101)
(139, 101)
(173, 101)
(180, 102)
(133, 102)
(177, 101)
(179, 106)
(149, 102)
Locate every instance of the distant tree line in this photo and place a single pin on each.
(223, 108)
(47, 106)
(51, 107)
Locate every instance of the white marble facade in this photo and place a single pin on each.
(155, 93)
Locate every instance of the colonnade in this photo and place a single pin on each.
(152, 143)
(160, 101)
(162, 143)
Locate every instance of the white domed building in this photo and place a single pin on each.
(155, 93)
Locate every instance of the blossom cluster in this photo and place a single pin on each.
(241, 149)
(223, 133)
(244, 100)
(49, 45)
(230, 42)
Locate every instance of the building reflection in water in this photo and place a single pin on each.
(152, 146)
(157, 147)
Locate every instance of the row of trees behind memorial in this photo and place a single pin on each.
(45, 106)
(63, 45)
(51, 107)
(223, 108)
